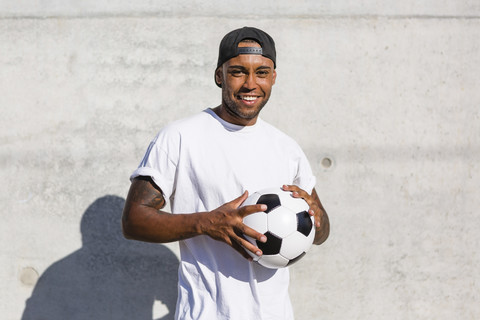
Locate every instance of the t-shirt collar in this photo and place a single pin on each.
(230, 126)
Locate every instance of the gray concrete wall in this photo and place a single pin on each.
(385, 90)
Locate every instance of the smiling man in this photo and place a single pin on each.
(247, 81)
(205, 165)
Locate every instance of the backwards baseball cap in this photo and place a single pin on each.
(229, 45)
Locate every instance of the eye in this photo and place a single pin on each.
(263, 73)
(237, 73)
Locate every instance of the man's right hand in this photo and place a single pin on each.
(226, 224)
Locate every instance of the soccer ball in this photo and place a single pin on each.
(286, 224)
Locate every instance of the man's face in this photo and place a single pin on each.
(247, 82)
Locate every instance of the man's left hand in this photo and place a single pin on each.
(322, 224)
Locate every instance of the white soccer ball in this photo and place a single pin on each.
(286, 224)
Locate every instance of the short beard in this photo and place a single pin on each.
(232, 108)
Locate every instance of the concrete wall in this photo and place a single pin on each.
(382, 95)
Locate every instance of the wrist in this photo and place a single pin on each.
(201, 223)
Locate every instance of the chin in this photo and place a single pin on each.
(246, 112)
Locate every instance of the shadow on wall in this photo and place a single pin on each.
(109, 277)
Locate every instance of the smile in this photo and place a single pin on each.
(248, 98)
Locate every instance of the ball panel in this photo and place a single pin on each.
(271, 200)
(254, 241)
(273, 261)
(257, 221)
(292, 261)
(270, 191)
(282, 222)
(252, 199)
(304, 223)
(294, 204)
(310, 238)
(272, 246)
(295, 244)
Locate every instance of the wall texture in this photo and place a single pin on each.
(382, 95)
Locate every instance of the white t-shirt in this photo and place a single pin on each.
(200, 163)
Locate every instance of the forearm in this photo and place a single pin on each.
(321, 232)
(145, 223)
(143, 219)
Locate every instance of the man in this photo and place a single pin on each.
(203, 162)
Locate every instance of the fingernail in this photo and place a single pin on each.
(258, 253)
(263, 239)
(264, 207)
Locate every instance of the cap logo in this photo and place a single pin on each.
(249, 50)
(229, 49)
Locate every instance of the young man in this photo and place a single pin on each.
(203, 162)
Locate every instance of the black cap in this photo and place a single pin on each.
(229, 45)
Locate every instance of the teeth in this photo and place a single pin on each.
(249, 98)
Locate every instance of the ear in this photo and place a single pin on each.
(219, 76)
(274, 76)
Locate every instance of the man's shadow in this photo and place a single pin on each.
(109, 277)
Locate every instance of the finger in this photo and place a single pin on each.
(290, 187)
(301, 194)
(312, 213)
(232, 241)
(252, 233)
(238, 201)
(242, 251)
(254, 208)
(242, 245)
(297, 192)
(247, 245)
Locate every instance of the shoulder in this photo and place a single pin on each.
(184, 126)
(198, 119)
(275, 134)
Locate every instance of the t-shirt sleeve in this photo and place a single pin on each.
(304, 177)
(160, 161)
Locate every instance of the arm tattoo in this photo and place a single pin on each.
(146, 192)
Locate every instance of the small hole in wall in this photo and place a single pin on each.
(327, 162)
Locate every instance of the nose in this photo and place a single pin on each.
(250, 81)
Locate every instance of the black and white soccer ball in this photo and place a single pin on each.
(287, 225)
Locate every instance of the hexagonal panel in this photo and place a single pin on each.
(252, 199)
(294, 204)
(257, 221)
(295, 244)
(282, 222)
(296, 259)
(310, 238)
